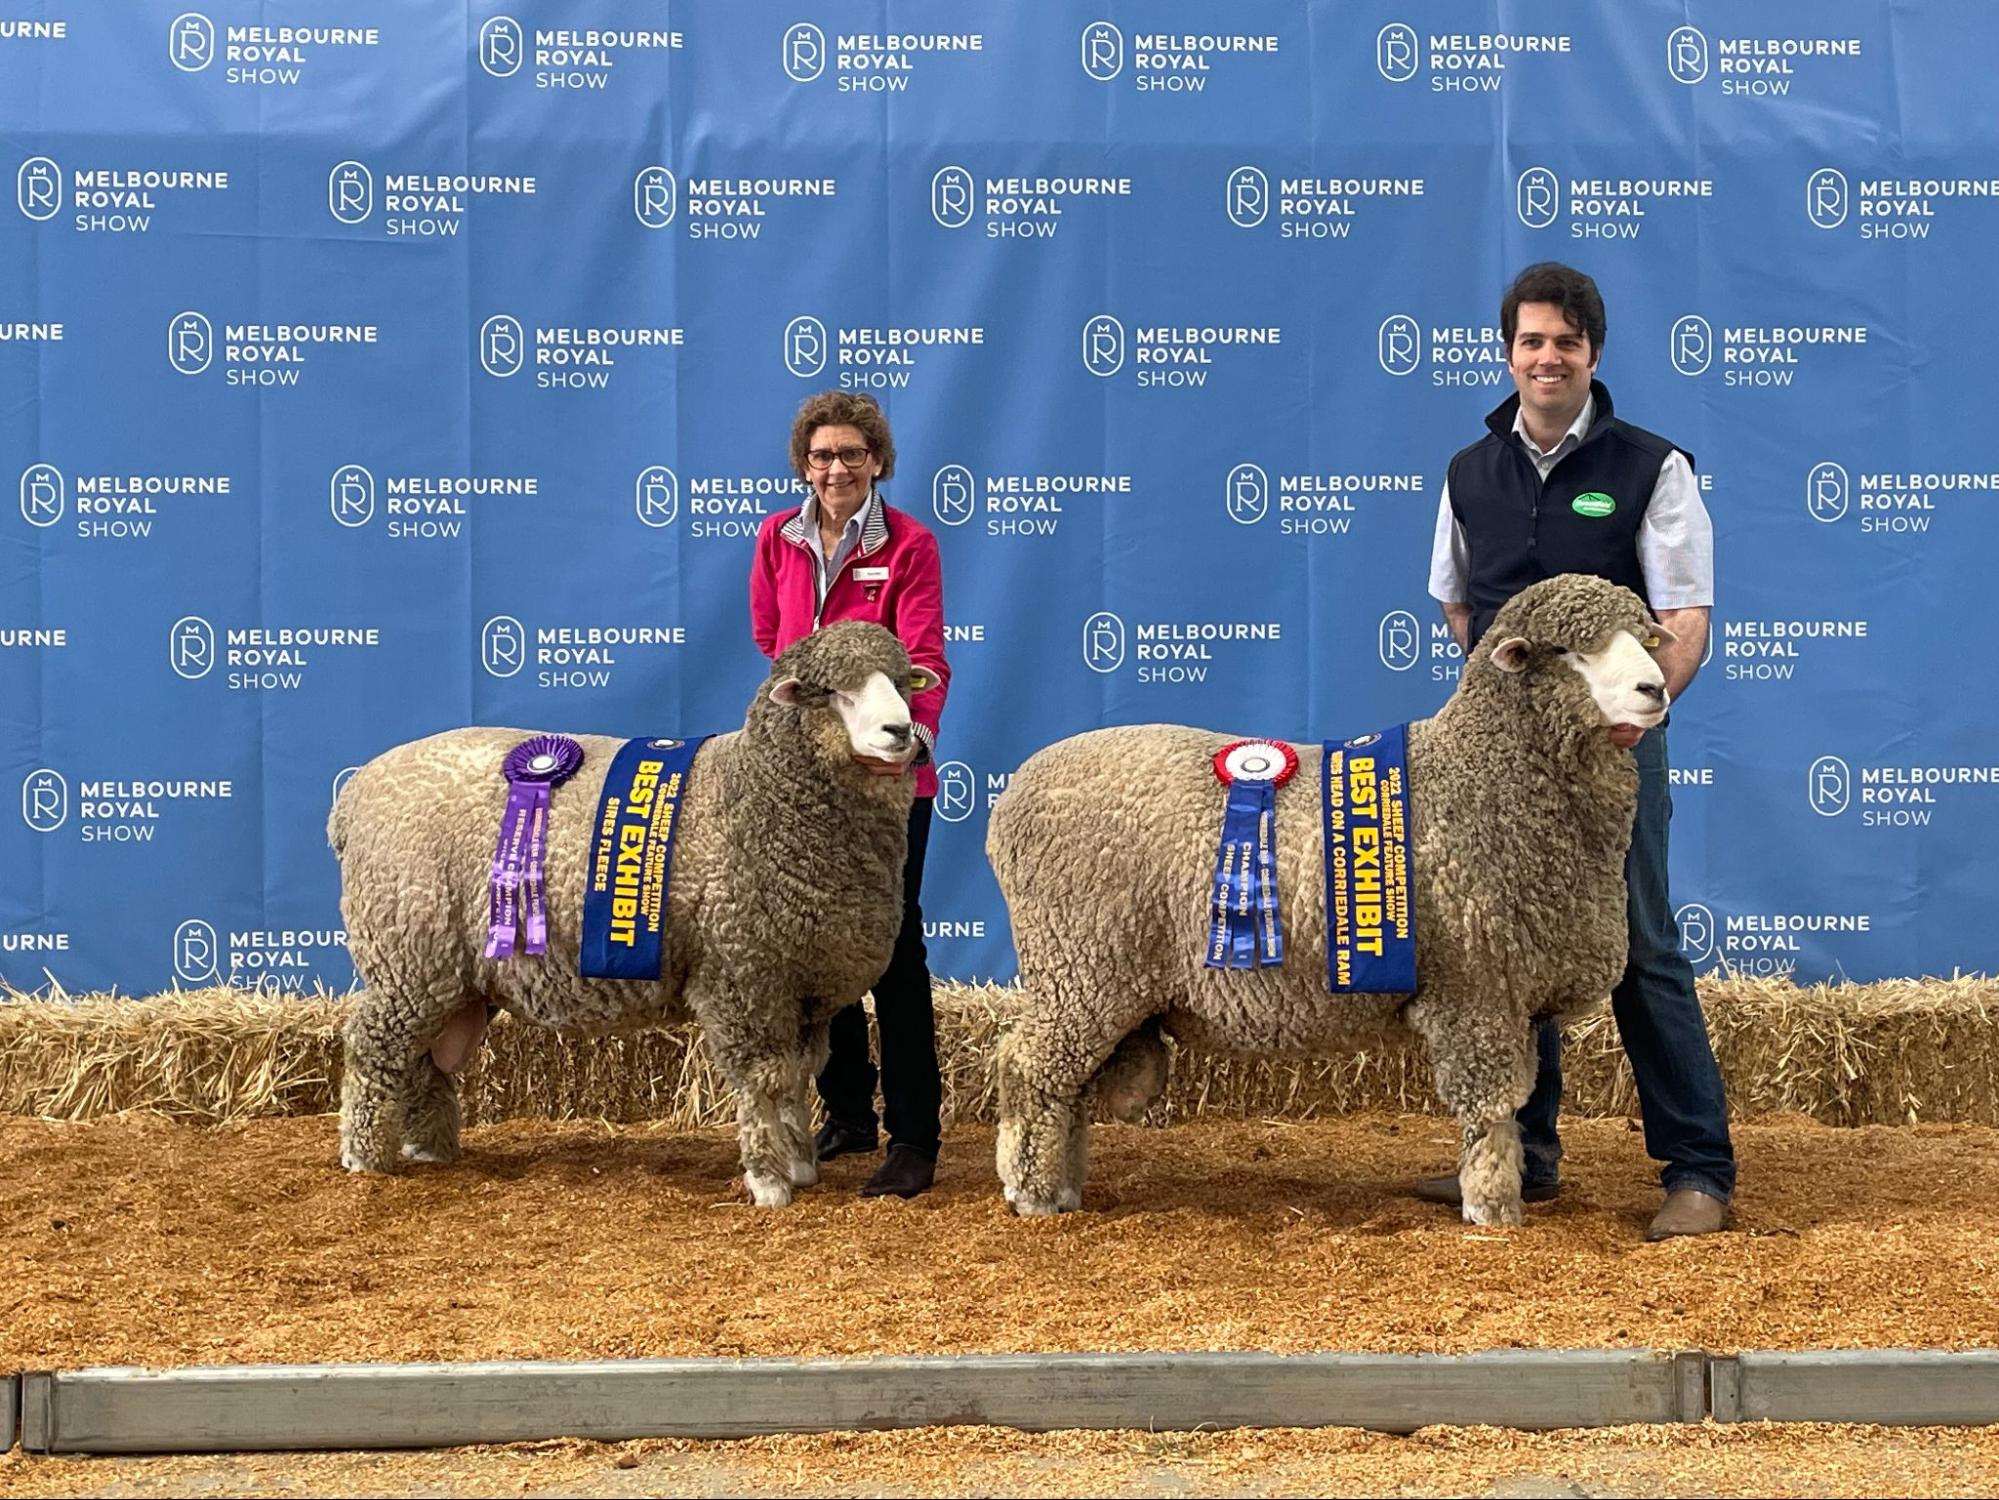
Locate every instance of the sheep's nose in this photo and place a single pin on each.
(1656, 691)
(898, 732)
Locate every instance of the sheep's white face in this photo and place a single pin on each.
(877, 720)
(875, 715)
(1627, 684)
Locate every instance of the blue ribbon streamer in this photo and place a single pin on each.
(1245, 928)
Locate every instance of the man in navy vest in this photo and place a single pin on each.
(1560, 485)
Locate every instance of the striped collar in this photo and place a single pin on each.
(874, 523)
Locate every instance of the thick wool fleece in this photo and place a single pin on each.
(1104, 846)
(783, 905)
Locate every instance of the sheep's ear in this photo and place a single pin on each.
(1653, 635)
(1512, 654)
(921, 681)
(789, 692)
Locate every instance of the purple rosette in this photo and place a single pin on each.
(532, 768)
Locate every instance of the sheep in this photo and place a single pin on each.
(1104, 845)
(783, 905)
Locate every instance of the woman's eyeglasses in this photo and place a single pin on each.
(822, 458)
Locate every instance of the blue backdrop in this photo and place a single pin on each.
(370, 368)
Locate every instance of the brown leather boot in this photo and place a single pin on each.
(1688, 1211)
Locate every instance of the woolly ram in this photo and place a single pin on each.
(783, 906)
(1104, 845)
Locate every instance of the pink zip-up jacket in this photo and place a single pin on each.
(894, 579)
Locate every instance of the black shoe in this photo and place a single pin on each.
(906, 1173)
(835, 1139)
(1445, 1190)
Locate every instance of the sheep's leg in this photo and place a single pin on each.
(380, 1080)
(1043, 1131)
(762, 1071)
(795, 1109)
(1128, 1084)
(1076, 1156)
(1134, 1077)
(1484, 1065)
(392, 1089)
(760, 1131)
(430, 1132)
(761, 1058)
(1038, 1149)
(1489, 1165)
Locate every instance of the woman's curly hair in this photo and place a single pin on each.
(842, 409)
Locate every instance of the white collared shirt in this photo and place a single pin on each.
(826, 569)
(1675, 540)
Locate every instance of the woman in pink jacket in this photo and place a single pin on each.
(846, 554)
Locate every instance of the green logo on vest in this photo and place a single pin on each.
(1595, 504)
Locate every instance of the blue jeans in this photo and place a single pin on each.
(1658, 1019)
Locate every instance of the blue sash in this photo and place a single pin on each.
(631, 858)
(1370, 915)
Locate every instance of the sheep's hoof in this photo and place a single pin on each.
(767, 1192)
(1012, 1192)
(1494, 1213)
(1066, 1201)
(433, 1154)
(804, 1173)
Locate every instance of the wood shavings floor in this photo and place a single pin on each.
(134, 1241)
(1806, 1460)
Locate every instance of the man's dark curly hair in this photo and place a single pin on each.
(1551, 281)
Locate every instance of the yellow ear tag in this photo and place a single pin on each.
(1652, 643)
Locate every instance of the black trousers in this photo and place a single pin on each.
(912, 1090)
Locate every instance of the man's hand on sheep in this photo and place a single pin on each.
(876, 766)
(1624, 736)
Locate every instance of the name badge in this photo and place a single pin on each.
(871, 575)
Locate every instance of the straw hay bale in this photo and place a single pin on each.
(1898, 1051)
(205, 1055)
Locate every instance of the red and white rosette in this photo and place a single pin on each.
(1244, 930)
(1256, 760)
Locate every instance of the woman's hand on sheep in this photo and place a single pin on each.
(1624, 736)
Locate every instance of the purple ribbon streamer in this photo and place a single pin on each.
(520, 875)
(523, 798)
(537, 874)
